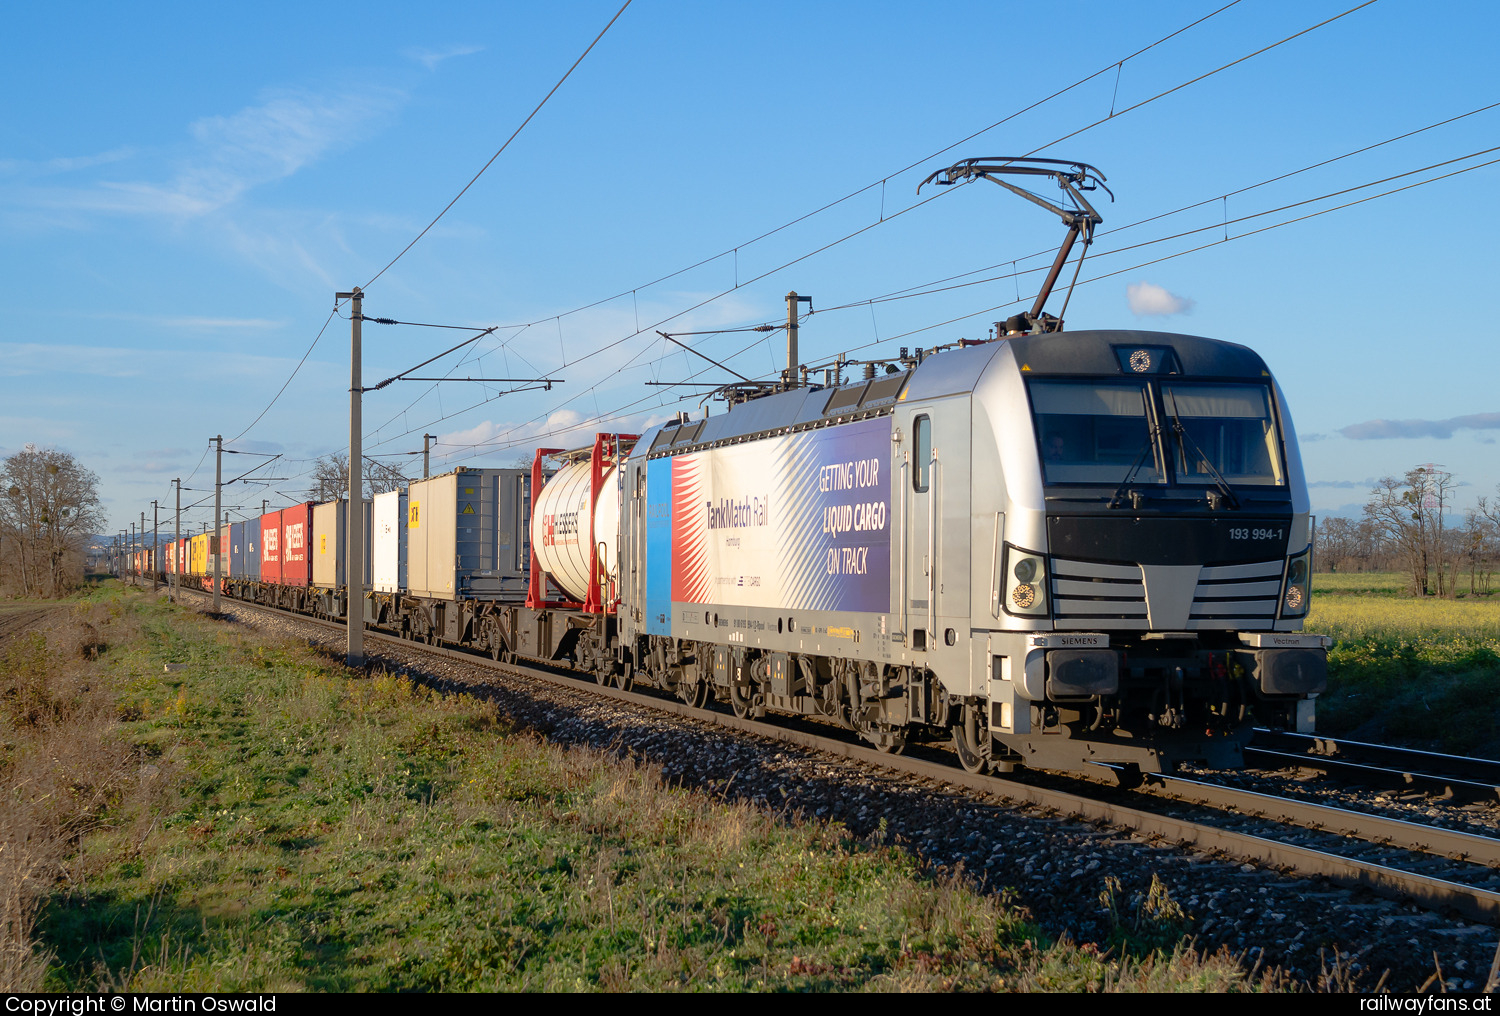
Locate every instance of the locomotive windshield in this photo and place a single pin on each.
(1102, 432)
(1094, 432)
(1223, 428)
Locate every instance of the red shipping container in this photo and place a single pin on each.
(296, 534)
(270, 547)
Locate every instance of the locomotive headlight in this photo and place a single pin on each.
(1296, 592)
(1025, 583)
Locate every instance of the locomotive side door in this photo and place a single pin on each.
(633, 541)
(934, 581)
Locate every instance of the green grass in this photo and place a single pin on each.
(1419, 671)
(313, 830)
(1376, 583)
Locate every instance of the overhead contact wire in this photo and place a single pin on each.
(503, 147)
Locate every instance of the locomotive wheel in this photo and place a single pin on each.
(972, 757)
(694, 693)
(742, 700)
(973, 750)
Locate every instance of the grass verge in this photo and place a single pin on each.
(265, 820)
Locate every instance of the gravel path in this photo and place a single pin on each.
(1053, 866)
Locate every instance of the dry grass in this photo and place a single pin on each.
(63, 766)
(337, 832)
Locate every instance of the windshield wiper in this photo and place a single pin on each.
(1135, 495)
(1224, 489)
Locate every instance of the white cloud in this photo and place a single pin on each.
(64, 164)
(1442, 429)
(18, 359)
(430, 58)
(1148, 300)
(189, 321)
(558, 428)
(232, 154)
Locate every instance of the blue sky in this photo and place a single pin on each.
(184, 187)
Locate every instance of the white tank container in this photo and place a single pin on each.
(560, 529)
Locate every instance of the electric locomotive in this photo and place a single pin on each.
(1063, 549)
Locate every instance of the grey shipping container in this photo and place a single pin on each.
(328, 551)
(468, 535)
(388, 568)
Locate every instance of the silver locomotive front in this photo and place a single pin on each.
(1148, 542)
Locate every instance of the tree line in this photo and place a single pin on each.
(1411, 525)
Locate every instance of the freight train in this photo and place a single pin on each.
(1060, 550)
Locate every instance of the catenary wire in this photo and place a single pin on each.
(1184, 208)
(503, 147)
(801, 218)
(861, 190)
(501, 441)
(920, 203)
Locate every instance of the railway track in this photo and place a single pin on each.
(1451, 776)
(1435, 868)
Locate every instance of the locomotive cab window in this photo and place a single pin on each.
(921, 467)
(1223, 429)
(1094, 432)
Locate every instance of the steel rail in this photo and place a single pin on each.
(1394, 832)
(1381, 775)
(1403, 766)
(1472, 902)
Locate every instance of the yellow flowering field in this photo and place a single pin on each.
(1404, 669)
(1353, 616)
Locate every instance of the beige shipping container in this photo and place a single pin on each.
(329, 550)
(468, 535)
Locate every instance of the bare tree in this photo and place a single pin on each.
(1478, 548)
(1410, 513)
(1337, 544)
(331, 477)
(1482, 542)
(49, 511)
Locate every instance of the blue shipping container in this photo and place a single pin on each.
(252, 549)
(237, 550)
